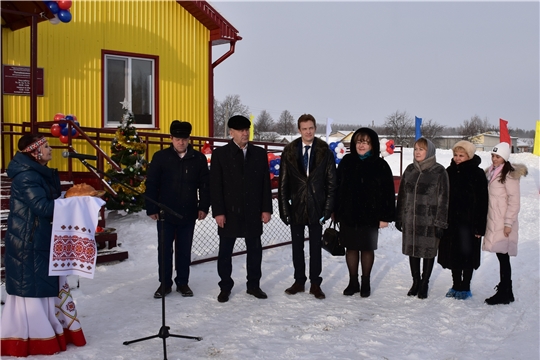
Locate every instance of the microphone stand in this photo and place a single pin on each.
(163, 332)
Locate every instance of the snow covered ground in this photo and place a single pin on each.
(117, 305)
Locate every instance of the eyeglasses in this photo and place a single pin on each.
(363, 142)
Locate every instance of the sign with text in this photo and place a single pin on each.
(16, 80)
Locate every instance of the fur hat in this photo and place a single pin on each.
(180, 129)
(469, 147)
(239, 122)
(503, 150)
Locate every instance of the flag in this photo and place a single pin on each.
(503, 131)
(536, 149)
(252, 127)
(329, 122)
(418, 133)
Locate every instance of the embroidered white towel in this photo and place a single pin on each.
(73, 244)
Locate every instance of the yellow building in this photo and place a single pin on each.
(156, 55)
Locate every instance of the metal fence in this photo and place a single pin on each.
(206, 239)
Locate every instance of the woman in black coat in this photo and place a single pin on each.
(365, 203)
(459, 249)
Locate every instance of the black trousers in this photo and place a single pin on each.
(315, 256)
(253, 262)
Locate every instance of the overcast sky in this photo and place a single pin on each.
(358, 62)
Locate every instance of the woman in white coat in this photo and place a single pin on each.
(502, 222)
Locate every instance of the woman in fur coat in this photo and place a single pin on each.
(502, 220)
(459, 249)
(422, 211)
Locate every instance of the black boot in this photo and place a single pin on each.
(503, 295)
(426, 274)
(365, 289)
(353, 286)
(414, 263)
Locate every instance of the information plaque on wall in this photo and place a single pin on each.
(16, 80)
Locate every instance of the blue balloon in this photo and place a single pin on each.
(69, 117)
(276, 172)
(273, 163)
(77, 123)
(338, 160)
(278, 161)
(333, 145)
(53, 7)
(64, 131)
(64, 16)
(63, 125)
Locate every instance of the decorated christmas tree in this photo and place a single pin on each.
(128, 152)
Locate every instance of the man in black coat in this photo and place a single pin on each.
(241, 203)
(307, 184)
(178, 178)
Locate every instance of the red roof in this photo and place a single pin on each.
(221, 31)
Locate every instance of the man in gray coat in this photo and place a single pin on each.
(241, 200)
(307, 184)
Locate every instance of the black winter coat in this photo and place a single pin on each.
(28, 237)
(467, 215)
(182, 184)
(240, 189)
(305, 199)
(365, 193)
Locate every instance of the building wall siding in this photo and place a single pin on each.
(71, 57)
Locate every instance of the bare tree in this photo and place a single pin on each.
(430, 129)
(219, 119)
(224, 110)
(474, 126)
(285, 124)
(263, 126)
(399, 126)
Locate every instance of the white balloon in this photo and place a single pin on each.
(341, 145)
(340, 155)
(55, 20)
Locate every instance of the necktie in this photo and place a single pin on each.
(306, 157)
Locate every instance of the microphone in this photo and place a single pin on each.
(75, 155)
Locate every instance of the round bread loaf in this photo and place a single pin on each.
(83, 190)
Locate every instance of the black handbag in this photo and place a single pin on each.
(330, 241)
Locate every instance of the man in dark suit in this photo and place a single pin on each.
(307, 184)
(178, 178)
(241, 203)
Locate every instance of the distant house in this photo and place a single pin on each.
(340, 134)
(447, 141)
(487, 140)
(525, 145)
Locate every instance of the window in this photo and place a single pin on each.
(133, 79)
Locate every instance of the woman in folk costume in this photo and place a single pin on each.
(459, 249)
(502, 219)
(365, 203)
(422, 211)
(33, 320)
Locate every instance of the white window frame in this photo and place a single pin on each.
(114, 123)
